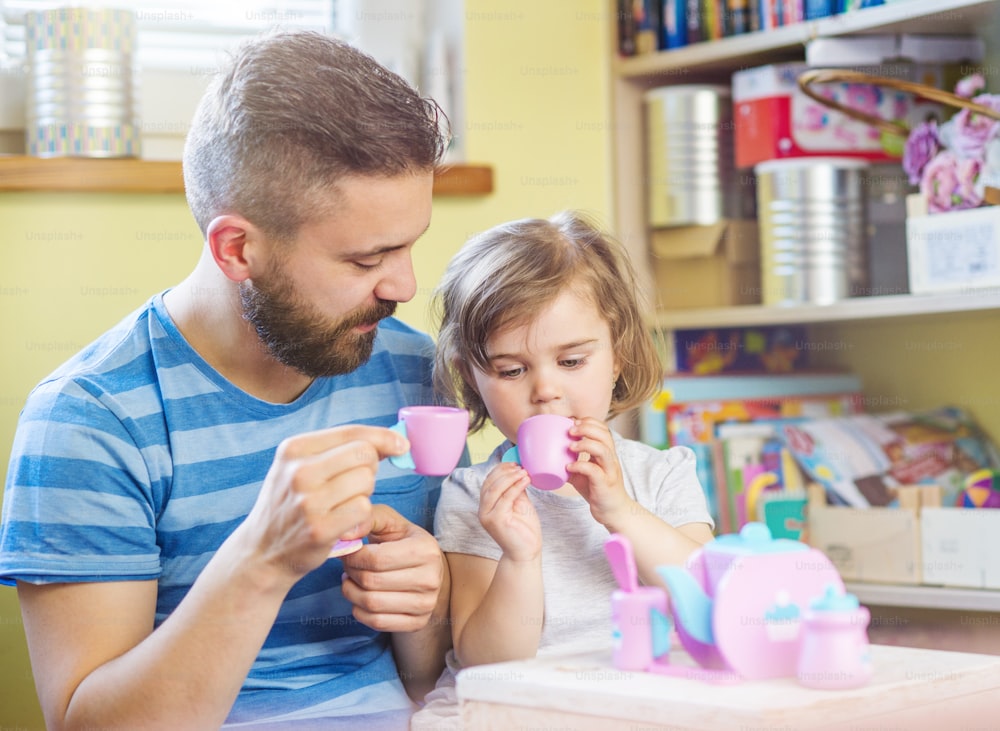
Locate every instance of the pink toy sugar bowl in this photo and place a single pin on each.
(835, 652)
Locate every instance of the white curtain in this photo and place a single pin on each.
(181, 34)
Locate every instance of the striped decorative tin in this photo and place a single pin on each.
(82, 96)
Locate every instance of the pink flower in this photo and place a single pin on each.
(921, 145)
(970, 85)
(971, 131)
(966, 194)
(948, 183)
(954, 162)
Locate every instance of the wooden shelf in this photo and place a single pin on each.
(129, 175)
(858, 308)
(926, 597)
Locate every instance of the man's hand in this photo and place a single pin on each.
(316, 491)
(394, 582)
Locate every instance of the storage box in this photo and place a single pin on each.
(707, 266)
(774, 119)
(960, 546)
(876, 545)
(954, 251)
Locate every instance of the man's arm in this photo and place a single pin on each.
(98, 662)
(400, 583)
(420, 654)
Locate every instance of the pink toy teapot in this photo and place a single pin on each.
(739, 606)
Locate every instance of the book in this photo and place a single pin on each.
(684, 388)
(626, 28)
(646, 16)
(737, 17)
(769, 349)
(695, 31)
(862, 460)
(693, 422)
(819, 9)
(711, 19)
(674, 17)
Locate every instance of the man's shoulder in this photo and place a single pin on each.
(115, 356)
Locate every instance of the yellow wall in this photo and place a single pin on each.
(72, 265)
(924, 363)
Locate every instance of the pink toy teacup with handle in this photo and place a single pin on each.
(437, 437)
(543, 450)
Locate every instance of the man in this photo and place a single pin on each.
(175, 489)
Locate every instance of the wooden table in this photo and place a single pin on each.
(911, 689)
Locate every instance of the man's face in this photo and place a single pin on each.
(317, 303)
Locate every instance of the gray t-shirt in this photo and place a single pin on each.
(576, 576)
(577, 579)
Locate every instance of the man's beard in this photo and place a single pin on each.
(299, 337)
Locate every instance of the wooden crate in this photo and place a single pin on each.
(875, 545)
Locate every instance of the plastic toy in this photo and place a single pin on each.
(745, 607)
(639, 613)
(982, 490)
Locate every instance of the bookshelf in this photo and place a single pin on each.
(786, 42)
(859, 308)
(714, 62)
(882, 332)
(926, 597)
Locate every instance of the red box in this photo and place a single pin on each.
(773, 119)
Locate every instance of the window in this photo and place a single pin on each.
(180, 34)
(180, 44)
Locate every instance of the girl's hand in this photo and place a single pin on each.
(596, 474)
(508, 515)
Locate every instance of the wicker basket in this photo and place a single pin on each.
(825, 76)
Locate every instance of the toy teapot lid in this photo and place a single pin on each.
(753, 538)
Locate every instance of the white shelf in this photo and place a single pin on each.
(859, 308)
(752, 49)
(926, 597)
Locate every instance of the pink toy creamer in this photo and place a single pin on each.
(835, 650)
(743, 610)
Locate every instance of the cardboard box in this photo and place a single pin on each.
(960, 546)
(773, 119)
(954, 251)
(876, 545)
(707, 266)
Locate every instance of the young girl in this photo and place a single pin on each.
(541, 317)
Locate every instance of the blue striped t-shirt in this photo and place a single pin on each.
(136, 459)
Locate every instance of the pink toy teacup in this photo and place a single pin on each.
(543, 450)
(437, 437)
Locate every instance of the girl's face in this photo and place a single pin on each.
(559, 363)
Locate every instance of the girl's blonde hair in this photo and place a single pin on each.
(502, 277)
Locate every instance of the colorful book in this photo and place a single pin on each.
(863, 460)
(769, 349)
(694, 422)
(674, 16)
(695, 30)
(626, 28)
(646, 14)
(685, 388)
(737, 17)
